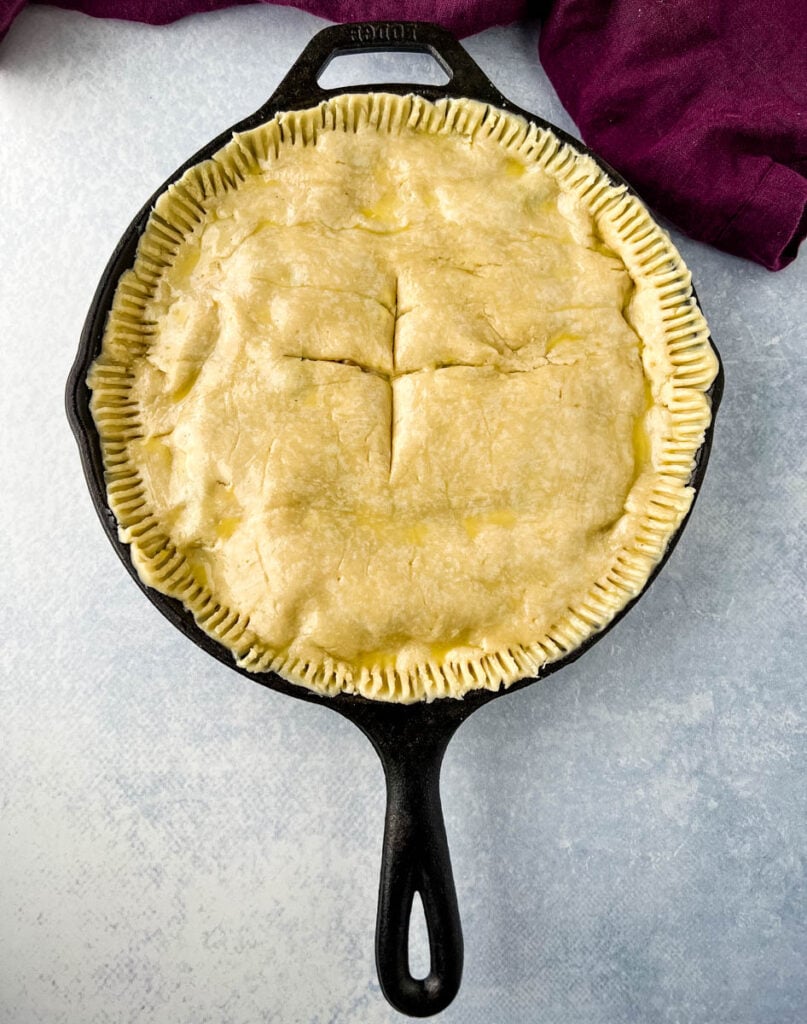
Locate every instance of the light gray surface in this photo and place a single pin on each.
(178, 845)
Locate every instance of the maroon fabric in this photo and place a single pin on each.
(463, 17)
(701, 104)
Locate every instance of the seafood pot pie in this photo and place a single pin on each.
(401, 398)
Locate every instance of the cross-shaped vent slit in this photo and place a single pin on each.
(392, 372)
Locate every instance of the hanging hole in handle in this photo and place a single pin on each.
(420, 958)
(346, 69)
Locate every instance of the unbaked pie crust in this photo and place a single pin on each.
(401, 398)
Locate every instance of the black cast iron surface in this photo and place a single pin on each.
(409, 739)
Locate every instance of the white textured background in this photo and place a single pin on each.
(181, 846)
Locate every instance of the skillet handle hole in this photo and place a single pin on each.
(420, 961)
(349, 69)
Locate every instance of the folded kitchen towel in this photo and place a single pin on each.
(463, 17)
(701, 104)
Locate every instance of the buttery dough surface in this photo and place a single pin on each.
(392, 398)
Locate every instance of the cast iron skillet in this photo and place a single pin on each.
(409, 739)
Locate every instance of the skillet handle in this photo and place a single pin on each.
(411, 741)
(415, 858)
(300, 86)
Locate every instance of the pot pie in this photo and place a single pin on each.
(401, 398)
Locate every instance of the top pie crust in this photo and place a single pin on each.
(401, 398)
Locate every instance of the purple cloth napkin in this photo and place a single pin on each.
(701, 104)
(463, 17)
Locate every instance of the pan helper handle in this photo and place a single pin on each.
(465, 75)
